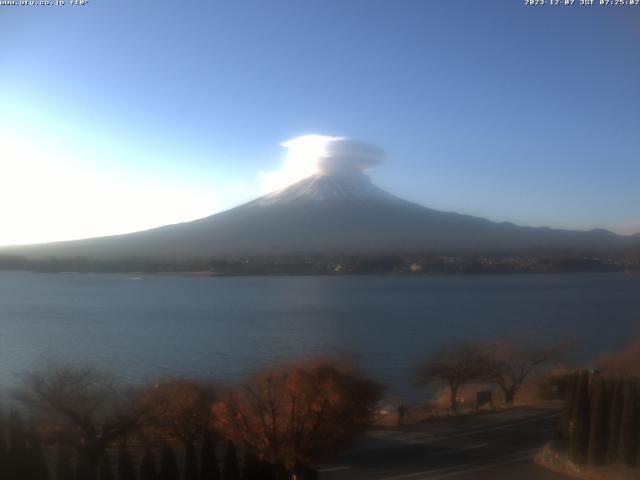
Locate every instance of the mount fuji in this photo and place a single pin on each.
(335, 213)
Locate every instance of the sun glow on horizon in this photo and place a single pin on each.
(52, 192)
(47, 199)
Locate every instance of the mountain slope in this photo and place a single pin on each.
(333, 214)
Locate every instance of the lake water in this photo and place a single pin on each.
(225, 327)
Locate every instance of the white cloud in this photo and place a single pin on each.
(348, 156)
(301, 161)
(311, 154)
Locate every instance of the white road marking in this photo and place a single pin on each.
(455, 450)
(481, 468)
(502, 426)
(334, 469)
(466, 433)
(471, 467)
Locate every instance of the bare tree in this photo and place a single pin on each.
(294, 415)
(82, 408)
(455, 366)
(512, 361)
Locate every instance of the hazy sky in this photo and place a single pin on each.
(120, 115)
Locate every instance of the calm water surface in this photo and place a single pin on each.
(225, 327)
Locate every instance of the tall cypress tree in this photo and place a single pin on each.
(579, 427)
(148, 465)
(597, 452)
(126, 468)
(64, 465)
(280, 471)
(307, 473)
(105, 471)
(209, 469)
(628, 434)
(168, 464)
(84, 470)
(567, 411)
(18, 457)
(230, 469)
(37, 460)
(267, 471)
(190, 462)
(4, 451)
(251, 468)
(615, 418)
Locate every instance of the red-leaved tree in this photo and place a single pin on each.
(179, 409)
(294, 415)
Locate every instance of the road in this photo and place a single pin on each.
(492, 446)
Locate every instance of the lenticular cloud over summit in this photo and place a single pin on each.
(348, 156)
(320, 154)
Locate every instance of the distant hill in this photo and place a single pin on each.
(328, 214)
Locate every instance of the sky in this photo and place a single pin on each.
(120, 116)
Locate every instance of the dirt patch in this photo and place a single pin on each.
(560, 463)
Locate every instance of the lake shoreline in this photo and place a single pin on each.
(213, 274)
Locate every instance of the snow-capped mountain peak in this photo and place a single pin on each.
(353, 187)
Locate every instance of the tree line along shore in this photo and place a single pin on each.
(334, 265)
(68, 422)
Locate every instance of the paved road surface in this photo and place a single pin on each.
(493, 446)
